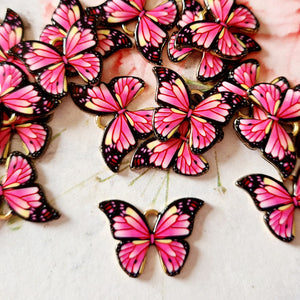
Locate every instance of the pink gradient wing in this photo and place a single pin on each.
(117, 11)
(35, 137)
(141, 122)
(174, 54)
(192, 11)
(251, 45)
(11, 78)
(289, 109)
(126, 88)
(110, 41)
(211, 67)
(172, 91)
(282, 83)
(129, 226)
(53, 35)
(220, 8)
(5, 137)
(118, 140)
(25, 198)
(271, 196)
(166, 122)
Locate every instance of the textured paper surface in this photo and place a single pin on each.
(232, 253)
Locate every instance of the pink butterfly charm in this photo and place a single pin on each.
(19, 96)
(272, 196)
(33, 132)
(172, 225)
(205, 119)
(24, 197)
(66, 14)
(121, 134)
(150, 31)
(174, 152)
(219, 36)
(50, 65)
(272, 110)
(11, 34)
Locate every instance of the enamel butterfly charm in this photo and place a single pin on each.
(172, 226)
(24, 197)
(275, 106)
(33, 132)
(219, 34)
(66, 14)
(51, 64)
(205, 118)
(122, 133)
(272, 197)
(150, 31)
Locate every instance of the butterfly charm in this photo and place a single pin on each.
(172, 226)
(176, 106)
(264, 129)
(121, 134)
(33, 132)
(219, 36)
(272, 197)
(24, 197)
(66, 14)
(50, 65)
(150, 31)
(11, 34)
(19, 96)
(174, 152)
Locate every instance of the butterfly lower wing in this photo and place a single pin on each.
(141, 122)
(173, 254)
(289, 109)
(35, 137)
(30, 203)
(177, 55)
(110, 41)
(5, 137)
(118, 140)
(132, 256)
(211, 67)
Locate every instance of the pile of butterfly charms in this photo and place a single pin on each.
(35, 76)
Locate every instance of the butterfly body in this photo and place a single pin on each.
(272, 197)
(130, 227)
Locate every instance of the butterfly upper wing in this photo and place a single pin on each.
(25, 198)
(5, 137)
(129, 226)
(172, 226)
(271, 196)
(110, 41)
(289, 110)
(282, 83)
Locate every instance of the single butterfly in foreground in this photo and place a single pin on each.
(150, 31)
(33, 132)
(172, 226)
(51, 65)
(122, 133)
(24, 197)
(274, 107)
(174, 152)
(66, 14)
(272, 197)
(205, 119)
(220, 36)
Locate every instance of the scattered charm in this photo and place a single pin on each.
(24, 197)
(66, 14)
(275, 106)
(205, 119)
(122, 133)
(219, 35)
(174, 152)
(130, 226)
(19, 96)
(150, 32)
(271, 196)
(50, 64)
(211, 66)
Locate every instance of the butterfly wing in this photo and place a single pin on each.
(173, 225)
(129, 226)
(282, 83)
(192, 11)
(110, 41)
(289, 110)
(25, 198)
(272, 197)
(174, 54)
(5, 137)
